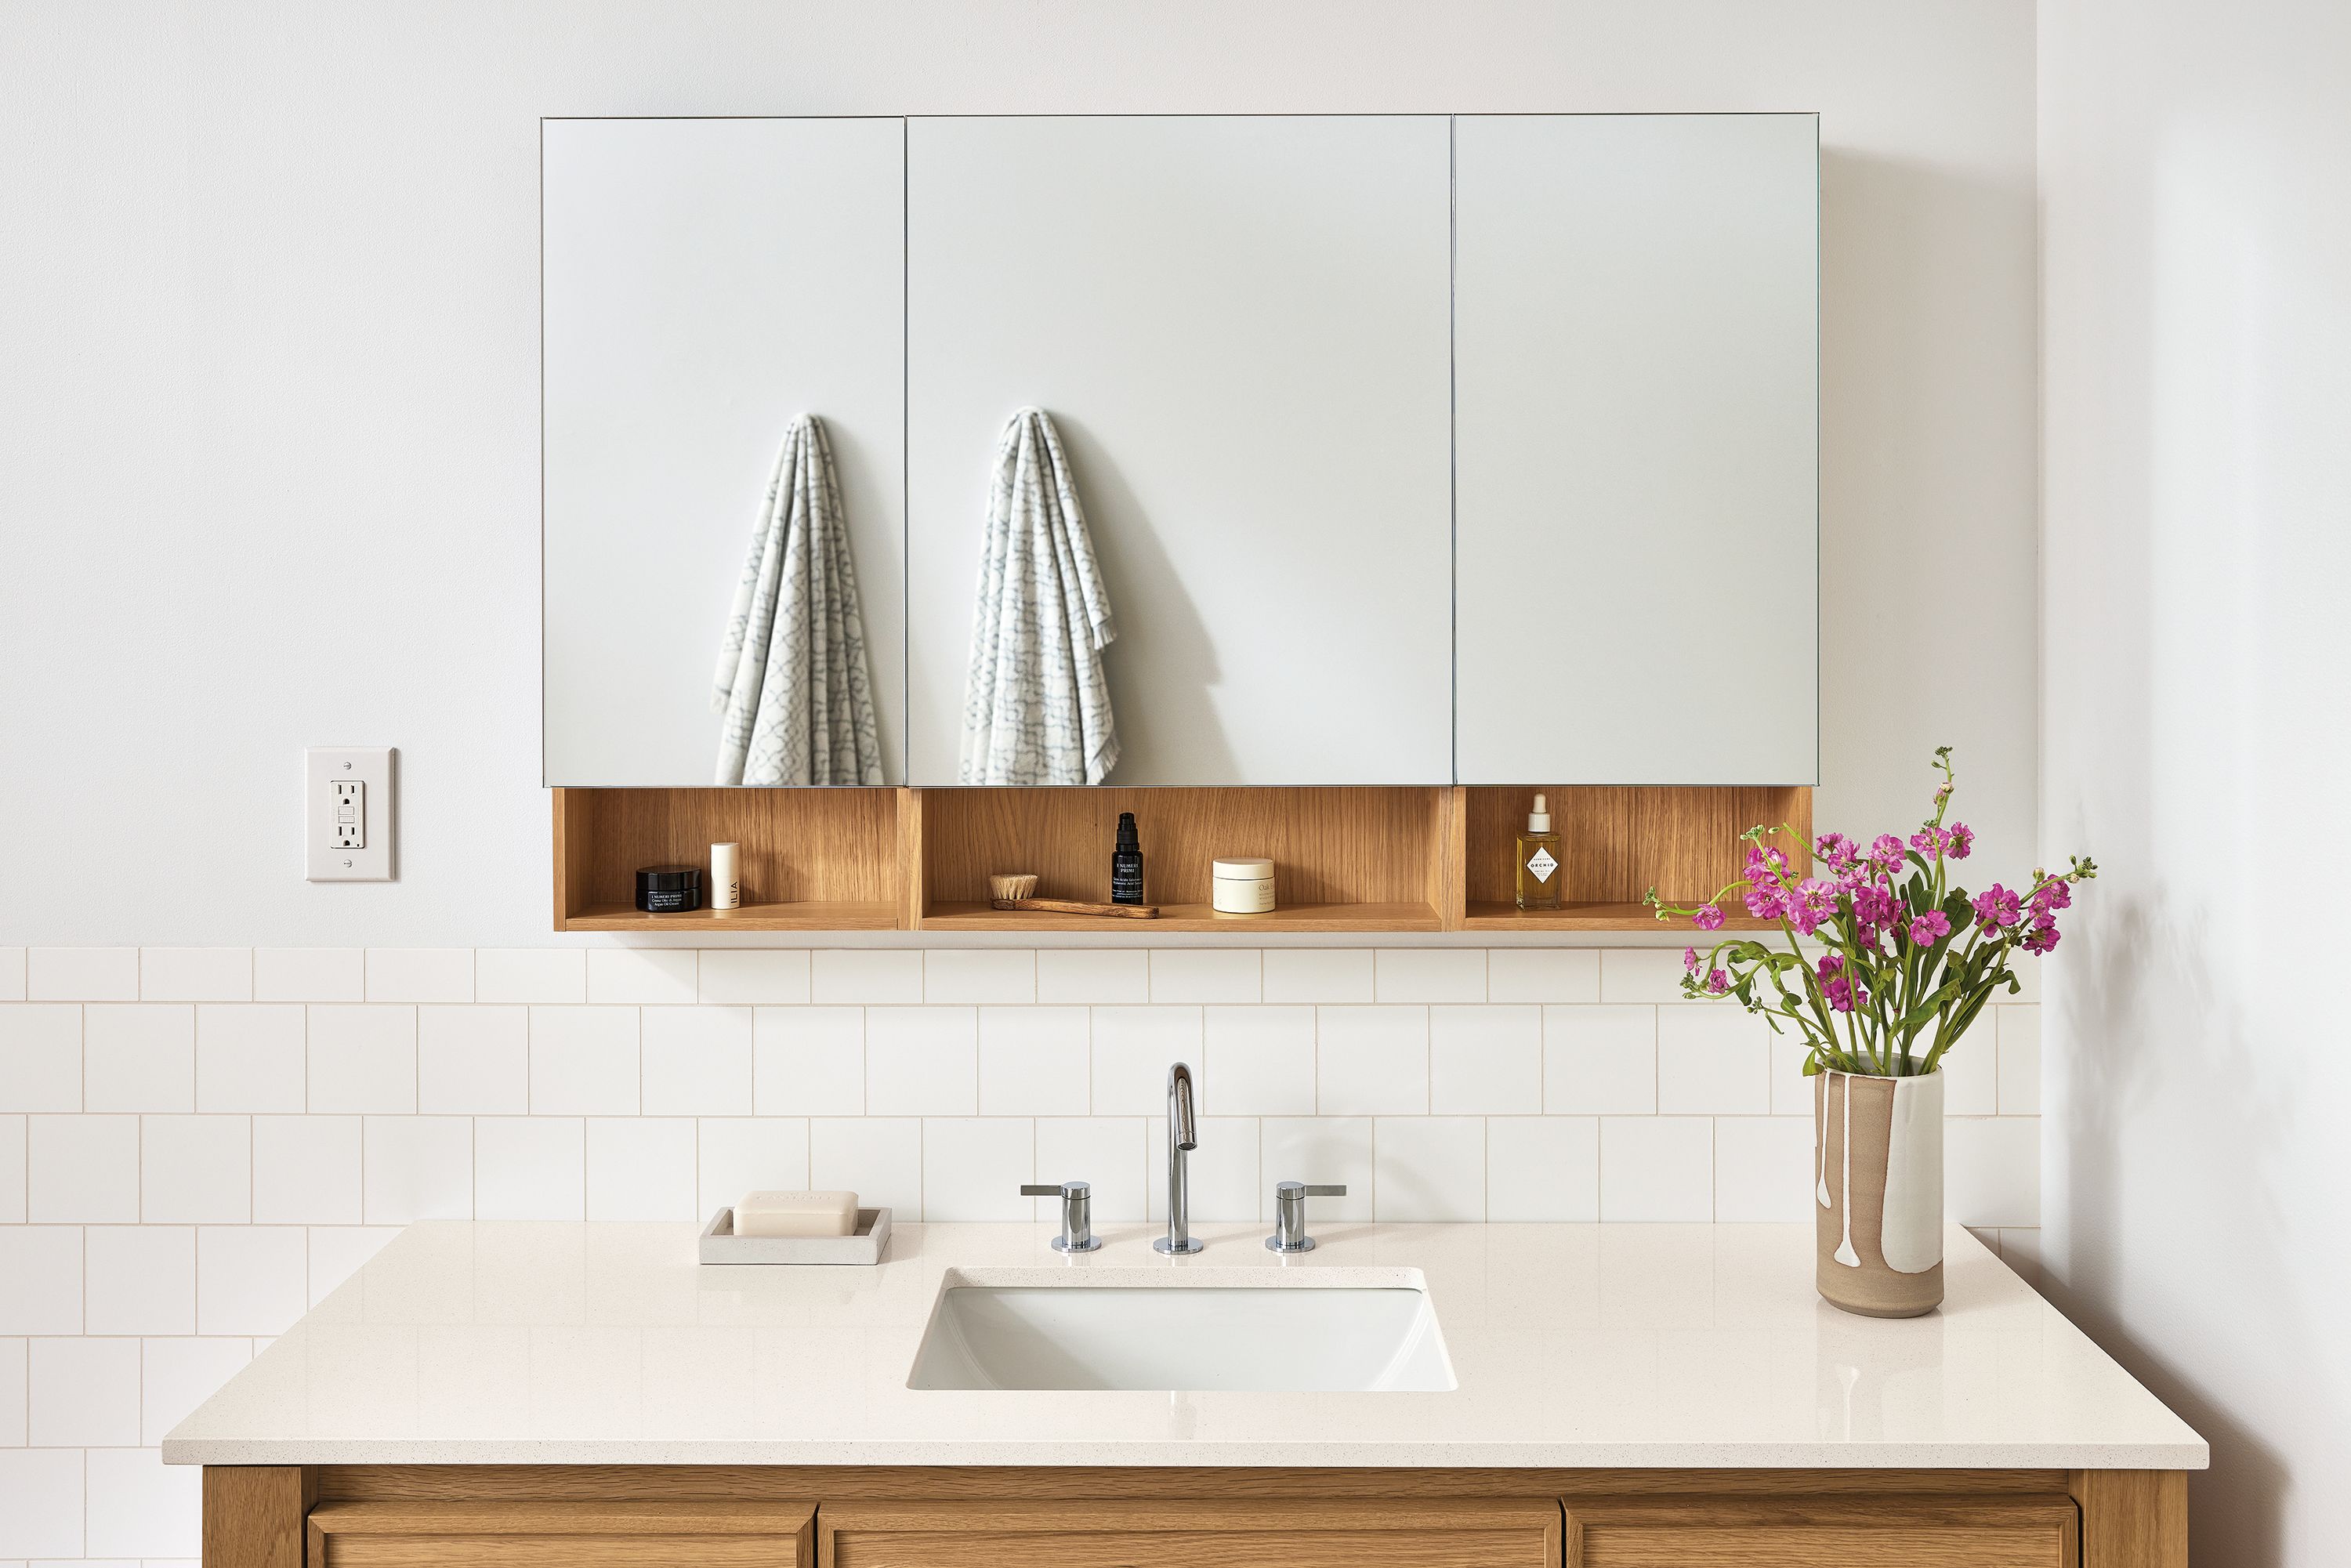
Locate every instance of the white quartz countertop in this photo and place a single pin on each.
(1663, 1345)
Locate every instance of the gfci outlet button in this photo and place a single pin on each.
(347, 815)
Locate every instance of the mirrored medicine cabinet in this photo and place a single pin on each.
(1413, 450)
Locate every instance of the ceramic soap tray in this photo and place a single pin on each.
(721, 1245)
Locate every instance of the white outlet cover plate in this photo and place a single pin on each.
(324, 766)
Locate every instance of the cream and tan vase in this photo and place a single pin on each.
(1878, 1190)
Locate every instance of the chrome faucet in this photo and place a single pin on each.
(1182, 1137)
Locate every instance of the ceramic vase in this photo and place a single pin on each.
(1877, 1189)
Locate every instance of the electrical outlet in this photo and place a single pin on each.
(349, 829)
(347, 813)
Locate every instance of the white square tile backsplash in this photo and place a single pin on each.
(195, 1143)
(1372, 1060)
(196, 1170)
(139, 1058)
(40, 1057)
(251, 1057)
(362, 1058)
(82, 974)
(195, 974)
(1083, 975)
(1318, 975)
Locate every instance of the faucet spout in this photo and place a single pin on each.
(1182, 1137)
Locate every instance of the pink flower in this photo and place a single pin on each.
(1842, 993)
(1888, 851)
(1717, 983)
(1836, 851)
(2055, 894)
(1963, 839)
(1874, 906)
(1930, 928)
(1708, 918)
(1765, 900)
(1928, 840)
(1996, 907)
(2042, 936)
(1689, 959)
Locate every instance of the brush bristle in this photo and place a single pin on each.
(1015, 886)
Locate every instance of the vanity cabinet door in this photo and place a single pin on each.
(714, 1532)
(1239, 326)
(705, 282)
(1636, 433)
(1477, 1533)
(1825, 1532)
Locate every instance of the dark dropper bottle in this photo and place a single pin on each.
(1126, 863)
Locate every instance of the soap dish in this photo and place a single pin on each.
(721, 1245)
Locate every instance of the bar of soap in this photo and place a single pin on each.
(797, 1214)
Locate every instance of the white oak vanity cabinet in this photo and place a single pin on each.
(747, 1517)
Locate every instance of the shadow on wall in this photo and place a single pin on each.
(1164, 664)
(2155, 1045)
(1929, 474)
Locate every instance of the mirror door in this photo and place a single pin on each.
(1637, 431)
(707, 282)
(1240, 327)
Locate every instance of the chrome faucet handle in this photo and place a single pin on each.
(1077, 1214)
(1290, 1215)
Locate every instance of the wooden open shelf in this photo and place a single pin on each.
(1379, 859)
(1616, 843)
(1345, 860)
(812, 860)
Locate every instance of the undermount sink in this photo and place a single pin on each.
(1099, 1331)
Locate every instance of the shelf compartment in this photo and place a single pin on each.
(812, 860)
(1358, 859)
(1616, 843)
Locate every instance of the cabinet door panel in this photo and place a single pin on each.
(716, 1532)
(1829, 1532)
(1239, 326)
(1637, 418)
(1198, 1533)
(706, 283)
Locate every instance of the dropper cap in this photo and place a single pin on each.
(1127, 839)
(1539, 820)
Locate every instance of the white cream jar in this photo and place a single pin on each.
(1244, 886)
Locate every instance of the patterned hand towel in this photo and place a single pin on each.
(792, 678)
(1036, 705)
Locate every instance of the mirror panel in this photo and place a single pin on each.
(1637, 432)
(1239, 326)
(707, 281)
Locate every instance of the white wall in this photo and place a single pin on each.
(2199, 675)
(268, 444)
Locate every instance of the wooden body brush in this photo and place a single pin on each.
(1018, 891)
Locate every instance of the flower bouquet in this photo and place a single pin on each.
(1881, 965)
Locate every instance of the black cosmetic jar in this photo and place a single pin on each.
(669, 889)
